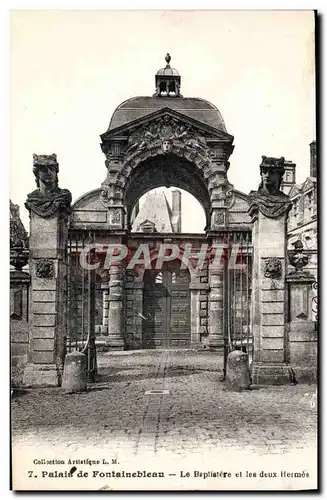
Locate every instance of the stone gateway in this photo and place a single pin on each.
(239, 301)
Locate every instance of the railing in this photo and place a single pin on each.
(237, 296)
(81, 303)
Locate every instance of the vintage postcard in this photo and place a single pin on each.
(163, 250)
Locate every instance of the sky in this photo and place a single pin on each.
(69, 70)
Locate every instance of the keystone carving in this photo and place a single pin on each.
(165, 132)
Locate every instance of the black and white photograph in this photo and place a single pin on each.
(163, 250)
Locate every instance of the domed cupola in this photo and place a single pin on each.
(168, 81)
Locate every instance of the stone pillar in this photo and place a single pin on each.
(116, 312)
(138, 310)
(48, 207)
(269, 210)
(302, 331)
(105, 307)
(195, 317)
(199, 288)
(216, 299)
(218, 184)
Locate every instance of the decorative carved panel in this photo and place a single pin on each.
(44, 268)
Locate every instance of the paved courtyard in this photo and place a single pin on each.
(195, 416)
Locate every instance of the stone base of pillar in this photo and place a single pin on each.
(271, 373)
(195, 340)
(303, 348)
(215, 342)
(305, 375)
(196, 344)
(133, 343)
(41, 376)
(114, 343)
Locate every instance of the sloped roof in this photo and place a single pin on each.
(157, 210)
(192, 107)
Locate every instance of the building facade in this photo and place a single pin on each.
(302, 223)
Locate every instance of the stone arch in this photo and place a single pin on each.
(201, 153)
(182, 167)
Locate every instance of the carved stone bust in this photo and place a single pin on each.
(48, 198)
(271, 201)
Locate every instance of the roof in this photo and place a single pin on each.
(167, 71)
(192, 107)
(155, 209)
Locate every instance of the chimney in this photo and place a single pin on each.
(313, 159)
(289, 177)
(177, 210)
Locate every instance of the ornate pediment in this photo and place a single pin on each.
(167, 115)
(162, 131)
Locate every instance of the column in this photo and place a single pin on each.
(138, 311)
(105, 305)
(116, 315)
(195, 316)
(199, 288)
(48, 206)
(216, 280)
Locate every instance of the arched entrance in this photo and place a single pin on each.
(167, 171)
(166, 308)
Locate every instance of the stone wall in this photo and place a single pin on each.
(199, 312)
(19, 295)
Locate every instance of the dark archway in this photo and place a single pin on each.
(166, 170)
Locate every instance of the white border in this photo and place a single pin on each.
(5, 6)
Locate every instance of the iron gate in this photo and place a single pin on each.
(81, 306)
(237, 285)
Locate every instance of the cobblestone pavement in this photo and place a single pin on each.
(197, 413)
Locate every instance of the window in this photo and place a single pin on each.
(309, 202)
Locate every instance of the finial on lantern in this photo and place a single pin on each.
(168, 81)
